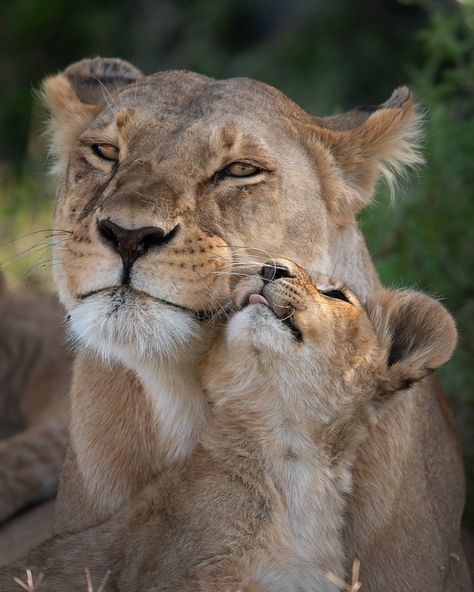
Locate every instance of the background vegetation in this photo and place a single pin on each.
(328, 55)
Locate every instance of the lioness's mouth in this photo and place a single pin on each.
(286, 320)
(123, 291)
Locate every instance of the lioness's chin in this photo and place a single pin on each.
(120, 325)
(256, 327)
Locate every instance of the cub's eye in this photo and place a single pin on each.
(241, 169)
(336, 294)
(106, 151)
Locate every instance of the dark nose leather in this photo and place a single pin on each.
(132, 243)
(274, 271)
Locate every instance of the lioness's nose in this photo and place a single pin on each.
(132, 243)
(274, 271)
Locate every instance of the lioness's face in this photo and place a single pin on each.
(188, 195)
(172, 186)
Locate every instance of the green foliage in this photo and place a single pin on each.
(427, 238)
(328, 56)
(25, 229)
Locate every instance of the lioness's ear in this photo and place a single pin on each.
(77, 96)
(368, 143)
(417, 332)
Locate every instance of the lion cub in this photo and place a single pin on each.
(294, 382)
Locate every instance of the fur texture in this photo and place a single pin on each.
(172, 137)
(293, 383)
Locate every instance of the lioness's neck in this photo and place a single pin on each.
(350, 261)
(179, 405)
(153, 416)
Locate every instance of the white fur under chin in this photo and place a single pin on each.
(120, 326)
(257, 325)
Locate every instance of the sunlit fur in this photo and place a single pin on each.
(176, 133)
(262, 504)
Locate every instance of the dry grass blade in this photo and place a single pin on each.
(356, 575)
(90, 586)
(354, 586)
(30, 585)
(104, 581)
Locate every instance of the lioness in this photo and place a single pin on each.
(294, 382)
(168, 185)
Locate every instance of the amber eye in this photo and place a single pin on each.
(241, 169)
(106, 151)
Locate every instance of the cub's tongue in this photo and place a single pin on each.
(258, 299)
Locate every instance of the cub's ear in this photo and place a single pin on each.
(365, 144)
(77, 96)
(418, 334)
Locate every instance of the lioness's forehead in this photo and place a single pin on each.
(193, 96)
(182, 115)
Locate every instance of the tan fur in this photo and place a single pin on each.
(263, 500)
(138, 352)
(35, 371)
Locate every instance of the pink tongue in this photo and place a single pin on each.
(257, 299)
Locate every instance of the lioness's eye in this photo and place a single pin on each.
(107, 151)
(337, 294)
(241, 169)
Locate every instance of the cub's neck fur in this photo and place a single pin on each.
(259, 429)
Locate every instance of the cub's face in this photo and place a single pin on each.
(312, 340)
(172, 184)
(312, 332)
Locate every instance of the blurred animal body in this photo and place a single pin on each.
(35, 374)
(295, 381)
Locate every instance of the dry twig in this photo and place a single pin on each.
(30, 585)
(90, 586)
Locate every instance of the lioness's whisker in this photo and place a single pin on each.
(222, 310)
(39, 246)
(52, 232)
(37, 243)
(246, 248)
(233, 274)
(219, 306)
(268, 256)
(46, 261)
(242, 264)
(252, 266)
